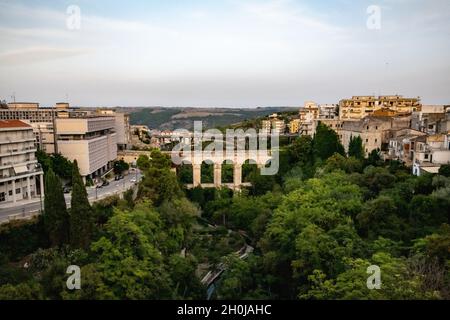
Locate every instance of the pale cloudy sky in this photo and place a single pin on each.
(241, 53)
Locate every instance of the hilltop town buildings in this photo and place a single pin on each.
(273, 124)
(359, 107)
(399, 128)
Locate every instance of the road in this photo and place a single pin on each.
(115, 187)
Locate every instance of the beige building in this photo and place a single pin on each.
(374, 131)
(359, 107)
(266, 126)
(294, 126)
(90, 136)
(21, 177)
(402, 143)
(40, 119)
(328, 111)
(273, 124)
(91, 141)
(122, 126)
(312, 113)
(334, 124)
(432, 119)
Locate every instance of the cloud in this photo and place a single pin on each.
(232, 50)
(287, 12)
(38, 54)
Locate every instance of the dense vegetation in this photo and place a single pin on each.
(315, 228)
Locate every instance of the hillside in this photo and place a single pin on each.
(175, 118)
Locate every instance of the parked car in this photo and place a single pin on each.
(117, 178)
(133, 180)
(105, 183)
(67, 189)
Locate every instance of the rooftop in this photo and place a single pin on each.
(13, 124)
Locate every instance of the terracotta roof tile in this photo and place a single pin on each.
(13, 124)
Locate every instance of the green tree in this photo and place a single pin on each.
(159, 182)
(81, 214)
(379, 218)
(301, 151)
(374, 158)
(23, 291)
(444, 170)
(397, 282)
(56, 217)
(355, 148)
(143, 162)
(131, 264)
(62, 166)
(120, 166)
(339, 162)
(326, 142)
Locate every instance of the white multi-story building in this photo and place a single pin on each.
(91, 141)
(430, 153)
(21, 177)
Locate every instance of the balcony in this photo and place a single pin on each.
(10, 164)
(15, 152)
(13, 176)
(17, 140)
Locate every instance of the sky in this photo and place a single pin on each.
(222, 53)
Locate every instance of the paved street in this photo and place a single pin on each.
(115, 187)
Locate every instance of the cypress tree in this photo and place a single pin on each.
(56, 217)
(81, 214)
(355, 148)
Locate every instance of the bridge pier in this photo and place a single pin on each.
(237, 176)
(217, 175)
(238, 159)
(197, 174)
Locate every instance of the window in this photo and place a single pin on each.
(376, 140)
(367, 140)
(10, 192)
(17, 190)
(426, 156)
(2, 196)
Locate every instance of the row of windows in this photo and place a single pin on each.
(10, 182)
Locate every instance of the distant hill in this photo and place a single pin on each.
(176, 118)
